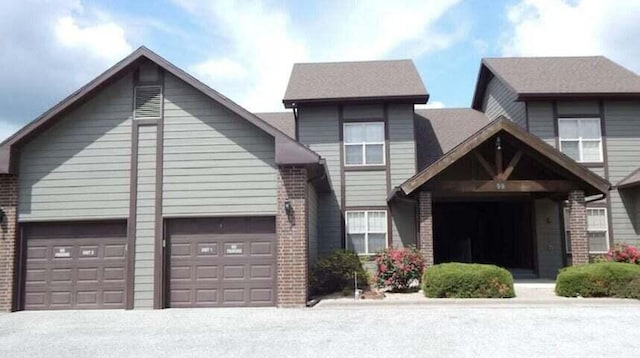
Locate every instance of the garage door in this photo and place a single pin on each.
(221, 262)
(74, 265)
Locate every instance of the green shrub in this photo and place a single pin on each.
(460, 280)
(602, 279)
(335, 273)
(398, 269)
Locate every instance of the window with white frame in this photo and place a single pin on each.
(580, 139)
(364, 143)
(597, 230)
(366, 231)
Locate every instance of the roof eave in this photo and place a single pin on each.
(542, 96)
(414, 99)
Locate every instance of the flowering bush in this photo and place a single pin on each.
(399, 269)
(624, 253)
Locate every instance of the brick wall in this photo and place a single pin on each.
(578, 228)
(291, 230)
(426, 227)
(8, 204)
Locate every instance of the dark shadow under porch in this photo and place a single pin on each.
(498, 232)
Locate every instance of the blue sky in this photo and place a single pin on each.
(245, 49)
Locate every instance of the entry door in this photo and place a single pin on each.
(221, 262)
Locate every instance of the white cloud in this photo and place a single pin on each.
(105, 41)
(262, 40)
(581, 27)
(220, 69)
(48, 49)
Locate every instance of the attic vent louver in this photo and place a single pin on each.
(148, 102)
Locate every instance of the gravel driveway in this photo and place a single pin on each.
(379, 331)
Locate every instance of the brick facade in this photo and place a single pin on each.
(291, 229)
(8, 242)
(426, 227)
(578, 228)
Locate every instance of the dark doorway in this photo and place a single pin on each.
(492, 232)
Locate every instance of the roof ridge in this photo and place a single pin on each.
(355, 61)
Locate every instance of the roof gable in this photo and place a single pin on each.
(592, 180)
(630, 181)
(395, 80)
(288, 151)
(553, 77)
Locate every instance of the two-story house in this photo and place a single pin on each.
(148, 189)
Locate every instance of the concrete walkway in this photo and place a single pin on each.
(528, 292)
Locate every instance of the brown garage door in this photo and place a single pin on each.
(221, 262)
(74, 265)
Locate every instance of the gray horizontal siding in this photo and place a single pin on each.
(318, 128)
(372, 111)
(365, 188)
(402, 148)
(622, 122)
(578, 107)
(541, 121)
(404, 227)
(79, 168)
(215, 163)
(549, 239)
(499, 100)
(145, 218)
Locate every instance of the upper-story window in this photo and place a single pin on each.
(364, 143)
(580, 139)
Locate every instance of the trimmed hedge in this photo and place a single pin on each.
(601, 279)
(335, 273)
(460, 280)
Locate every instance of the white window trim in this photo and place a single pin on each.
(580, 140)
(364, 146)
(366, 231)
(606, 230)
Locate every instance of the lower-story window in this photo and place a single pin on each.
(597, 230)
(366, 231)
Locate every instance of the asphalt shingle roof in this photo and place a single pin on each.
(440, 130)
(354, 80)
(284, 121)
(564, 75)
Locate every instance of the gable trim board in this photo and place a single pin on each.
(288, 151)
(596, 183)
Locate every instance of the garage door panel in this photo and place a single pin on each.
(74, 265)
(207, 272)
(220, 262)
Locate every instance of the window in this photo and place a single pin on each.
(366, 231)
(580, 139)
(597, 230)
(364, 143)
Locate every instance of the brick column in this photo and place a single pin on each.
(578, 228)
(8, 243)
(425, 239)
(291, 230)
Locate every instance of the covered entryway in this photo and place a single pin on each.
(489, 232)
(74, 265)
(216, 262)
(479, 202)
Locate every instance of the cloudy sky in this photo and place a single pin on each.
(245, 49)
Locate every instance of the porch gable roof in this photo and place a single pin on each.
(592, 181)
